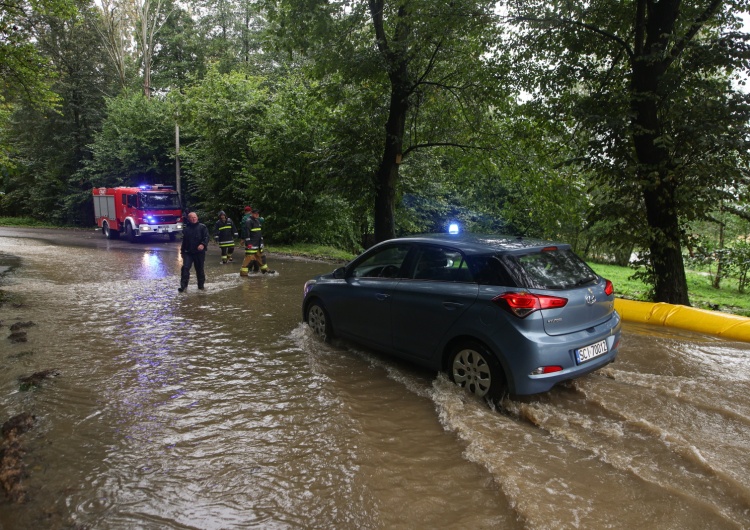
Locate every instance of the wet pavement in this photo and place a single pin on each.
(219, 409)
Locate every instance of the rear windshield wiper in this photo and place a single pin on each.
(587, 279)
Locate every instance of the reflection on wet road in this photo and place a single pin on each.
(218, 409)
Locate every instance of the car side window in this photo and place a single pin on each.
(491, 270)
(441, 264)
(386, 263)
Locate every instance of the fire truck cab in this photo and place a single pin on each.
(136, 212)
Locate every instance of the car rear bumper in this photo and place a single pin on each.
(560, 351)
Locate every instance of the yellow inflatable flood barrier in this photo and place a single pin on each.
(679, 316)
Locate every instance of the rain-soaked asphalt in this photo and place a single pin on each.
(218, 409)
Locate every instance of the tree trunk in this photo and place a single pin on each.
(112, 32)
(623, 255)
(146, 46)
(650, 63)
(387, 173)
(395, 55)
(670, 283)
(720, 258)
(147, 15)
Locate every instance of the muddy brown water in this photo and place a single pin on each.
(218, 409)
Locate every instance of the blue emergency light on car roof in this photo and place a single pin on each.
(155, 187)
(453, 228)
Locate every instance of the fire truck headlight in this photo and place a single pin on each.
(145, 228)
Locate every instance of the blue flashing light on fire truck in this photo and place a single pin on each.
(139, 211)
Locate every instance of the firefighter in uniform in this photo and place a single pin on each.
(254, 254)
(225, 232)
(244, 226)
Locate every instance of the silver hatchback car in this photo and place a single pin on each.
(499, 314)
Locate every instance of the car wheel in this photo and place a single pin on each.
(474, 368)
(317, 319)
(108, 232)
(129, 232)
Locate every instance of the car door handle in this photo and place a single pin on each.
(382, 296)
(452, 305)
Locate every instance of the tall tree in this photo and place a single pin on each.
(648, 86)
(429, 58)
(231, 32)
(24, 71)
(115, 30)
(134, 145)
(50, 145)
(148, 16)
(225, 112)
(179, 57)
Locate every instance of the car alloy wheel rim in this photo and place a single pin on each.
(471, 371)
(317, 320)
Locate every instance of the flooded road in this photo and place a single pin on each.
(219, 409)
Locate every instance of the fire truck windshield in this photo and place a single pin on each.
(159, 201)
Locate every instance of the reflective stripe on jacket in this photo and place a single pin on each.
(226, 232)
(253, 233)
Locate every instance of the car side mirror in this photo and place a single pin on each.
(339, 274)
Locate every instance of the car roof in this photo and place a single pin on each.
(471, 243)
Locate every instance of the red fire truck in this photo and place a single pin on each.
(136, 212)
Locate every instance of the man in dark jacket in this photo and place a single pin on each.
(193, 250)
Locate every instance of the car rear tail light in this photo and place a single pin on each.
(523, 304)
(546, 370)
(609, 288)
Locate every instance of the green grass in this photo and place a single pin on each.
(312, 251)
(702, 294)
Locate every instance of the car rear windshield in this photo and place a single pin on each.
(546, 269)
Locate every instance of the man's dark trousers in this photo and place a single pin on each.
(188, 260)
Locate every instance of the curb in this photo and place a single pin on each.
(679, 316)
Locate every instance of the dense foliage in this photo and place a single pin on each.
(649, 91)
(618, 126)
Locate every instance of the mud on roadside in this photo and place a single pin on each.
(14, 331)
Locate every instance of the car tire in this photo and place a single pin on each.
(129, 232)
(473, 367)
(108, 232)
(319, 321)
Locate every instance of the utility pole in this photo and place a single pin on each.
(177, 159)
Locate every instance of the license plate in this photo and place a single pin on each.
(589, 352)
